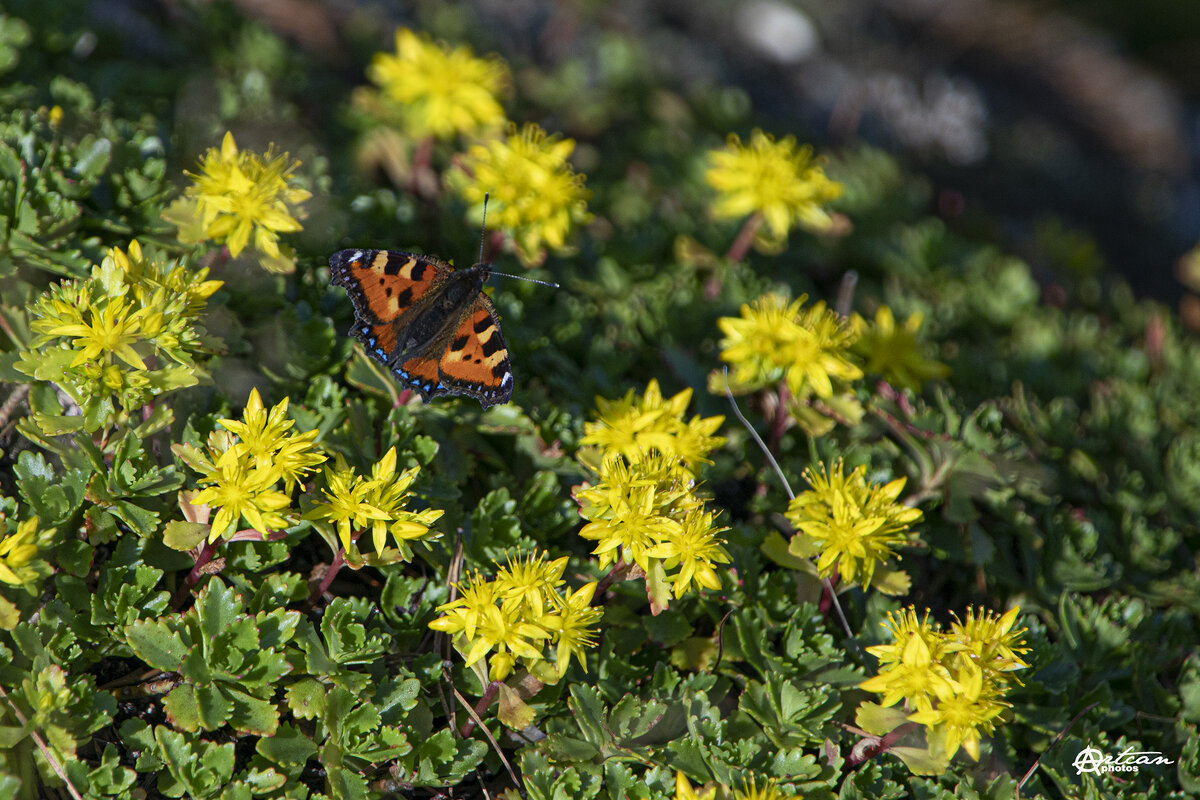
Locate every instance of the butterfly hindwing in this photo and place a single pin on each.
(475, 361)
(430, 324)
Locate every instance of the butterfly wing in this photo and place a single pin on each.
(397, 301)
(475, 361)
(386, 286)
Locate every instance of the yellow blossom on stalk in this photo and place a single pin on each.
(535, 196)
(692, 545)
(894, 351)
(242, 465)
(264, 438)
(571, 626)
(775, 340)
(389, 494)
(345, 502)
(19, 565)
(462, 615)
(911, 667)
(751, 791)
(127, 333)
(241, 198)
(635, 426)
(240, 491)
(779, 180)
(518, 615)
(113, 330)
(440, 90)
(967, 707)
(631, 505)
(530, 582)
(954, 681)
(856, 526)
(987, 640)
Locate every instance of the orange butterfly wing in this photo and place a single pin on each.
(393, 294)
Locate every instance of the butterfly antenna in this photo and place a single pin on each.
(483, 237)
(483, 227)
(551, 284)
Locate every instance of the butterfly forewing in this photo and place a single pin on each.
(430, 325)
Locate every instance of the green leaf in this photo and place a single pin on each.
(287, 747)
(179, 535)
(183, 709)
(874, 718)
(306, 698)
(156, 644)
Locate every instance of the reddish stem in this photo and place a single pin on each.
(882, 745)
(745, 238)
(489, 694)
(779, 425)
(203, 556)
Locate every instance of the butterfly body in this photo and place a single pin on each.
(429, 323)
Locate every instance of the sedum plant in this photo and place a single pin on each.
(748, 529)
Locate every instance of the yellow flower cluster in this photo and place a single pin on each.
(249, 470)
(953, 681)
(778, 181)
(642, 507)
(353, 501)
(125, 335)
(535, 196)
(242, 468)
(749, 791)
(522, 615)
(852, 524)
(432, 89)
(241, 198)
(894, 351)
(808, 349)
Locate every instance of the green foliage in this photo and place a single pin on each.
(1057, 467)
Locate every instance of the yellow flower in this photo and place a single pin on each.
(856, 526)
(263, 437)
(571, 626)
(17, 554)
(955, 681)
(751, 791)
(535, 197)
(531, 582)
(634, 427)
(346, 502)
(967, 705)
(987, 640)
(389, 493)
(239, 491)
(113, 330)
(895, 352)
(482, 626)
(911, 667)
(440, 91)
(240, 197)
(773, 339)
(692, 545)
(778, 180)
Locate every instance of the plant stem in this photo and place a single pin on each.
(489, 694)
(745, 238)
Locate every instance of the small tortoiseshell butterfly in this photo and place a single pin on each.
(427, 322)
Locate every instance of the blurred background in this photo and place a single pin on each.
(1033, 120)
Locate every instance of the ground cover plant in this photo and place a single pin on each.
(801, 491)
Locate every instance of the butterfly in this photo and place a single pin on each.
(427, 322)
